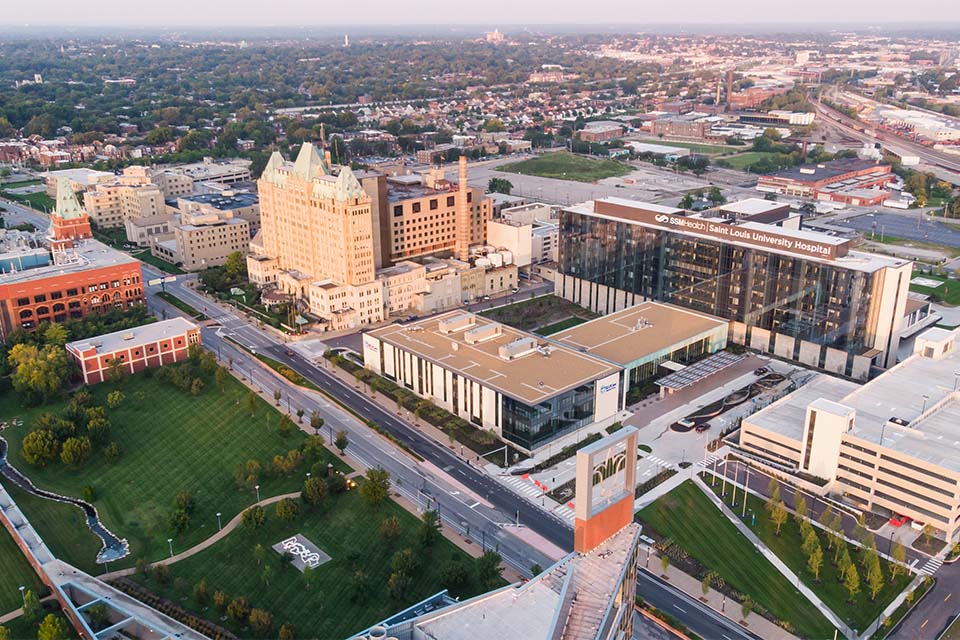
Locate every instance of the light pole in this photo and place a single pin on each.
(23, 595)
(257, 487)
(170, 543)
(219, 526)
(746, 483)
(924, 406)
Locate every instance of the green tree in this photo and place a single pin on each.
(37, 373)
(39, 448)
(341, 442)
(874, 578)
(287, 510)
(196, 387)
(899, 555)
(75, 451)
(715, 196)
(32, 611)
(239, 609)
(200, 593)
(687, 201)
(851, 582)
(285, 428)
(220, 601)
(810, 542)
(52, 628)
(115, 398)
(314, 491)
(773, 494)
(779, 515)
(220, 378)
(499, 185)
(405, 562)
(287, 632)
(116, 371)
(746, 608)
(56, 334)
(235, 266)
(250, 403)
(277, 394)
(815, 561)
(398, 586)
(489, 571)
(376, 488)
(705, 586)
(316, 422)
(4, 633)
(454, 574)
(260, 620)
(390, 528)
(429, 532)
(800, 508)
(664, 563)
(254, 517)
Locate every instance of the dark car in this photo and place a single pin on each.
(289, 353)
(703, 427)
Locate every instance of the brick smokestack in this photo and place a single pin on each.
(463, 213)
(729, 87)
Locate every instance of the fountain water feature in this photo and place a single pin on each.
(114, 548)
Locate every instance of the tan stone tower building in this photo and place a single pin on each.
(316, 240)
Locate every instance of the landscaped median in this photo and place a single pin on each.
(858, 610)
(181, 305)
(699, 539)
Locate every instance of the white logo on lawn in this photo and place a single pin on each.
(296, 548)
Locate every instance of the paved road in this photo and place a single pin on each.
(937, 609)
(700, 619)
(436, 484)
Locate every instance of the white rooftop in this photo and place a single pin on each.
(138, 336)
(751, 206)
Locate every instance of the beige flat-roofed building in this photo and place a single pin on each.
(131, 195)
(525, 388)
(891, 444)
(642, 337)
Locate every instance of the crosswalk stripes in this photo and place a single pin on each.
(522, 486)
(659, 461)
(565, 512)
(931, 567)
(708, 462)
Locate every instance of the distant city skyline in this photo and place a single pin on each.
(381, 13)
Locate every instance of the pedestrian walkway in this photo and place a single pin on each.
(931, 567)
(787, 573)
(219, 535)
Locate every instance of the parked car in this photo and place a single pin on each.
(703, 427)
(898, 520)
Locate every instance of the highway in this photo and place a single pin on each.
(895, 144)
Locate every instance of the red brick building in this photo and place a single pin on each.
(852, 181)
(152, 345)
(71, 278)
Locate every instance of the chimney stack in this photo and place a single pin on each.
(463, 213)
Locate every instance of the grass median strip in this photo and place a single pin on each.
(181, 305)
(688, 518)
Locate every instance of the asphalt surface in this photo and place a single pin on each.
(916, 227)
(936, 611)
(698, 617)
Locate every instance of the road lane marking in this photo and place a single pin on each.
(925, 623)
(679, 609)
(948, 597)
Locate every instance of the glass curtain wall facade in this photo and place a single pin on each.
(790, 295)
(532, 426)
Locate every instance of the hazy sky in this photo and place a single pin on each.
(505, 12)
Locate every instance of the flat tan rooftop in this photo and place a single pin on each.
(627, 336)
(531, 378)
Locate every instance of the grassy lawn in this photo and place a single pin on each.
(696, 147)
(20, 629)
(948, 292)
(345, 528)
(787, 545)
(919, 244)
(557, 327)
(183, 306)
(159, 263)
(687, 516)
(743, 160)
(542, 311)
(14, 572)
(39, 201)
(567, 166)
(170, 441)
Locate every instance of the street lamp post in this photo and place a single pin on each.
(257, 487)
(924, 406)
(746, 483)
(219, 526)
(170, 543)
(23, 595)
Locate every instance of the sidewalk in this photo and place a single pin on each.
(834, 619)
(715, 600)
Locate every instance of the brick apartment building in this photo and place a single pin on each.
(850, 181)
(152, 345)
